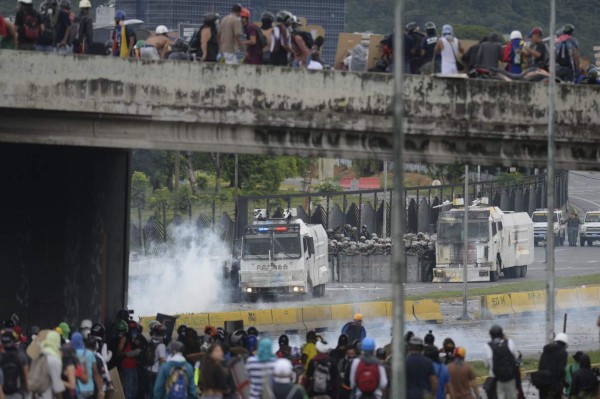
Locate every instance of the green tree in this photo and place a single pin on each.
(327, 186)
(183, 199)
(261, 174)
(367, 167)
(159, 166)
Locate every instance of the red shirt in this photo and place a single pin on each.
(255, 52)
(128, 362)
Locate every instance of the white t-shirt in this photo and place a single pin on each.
(159, 352)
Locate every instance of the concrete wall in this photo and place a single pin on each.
(99, 101)
(63, 241)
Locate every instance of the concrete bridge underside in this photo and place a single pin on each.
(106, 102)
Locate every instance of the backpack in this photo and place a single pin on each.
(367, 377)
(321, 377)
(38, 378)
(563, 53)
(149, 353)
(13, 372)
(506, 54)
(262, 39)
(31, 27)
(194, 44)
(177, 383)
(503, 361)
(307, 37)
(75, 33)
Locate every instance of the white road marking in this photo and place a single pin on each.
(585, 200)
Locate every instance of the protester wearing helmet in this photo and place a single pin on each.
(500, 357)
(549, 379)
(28, 36)
(82, 34)
(431, 61)
(253, 43)
(157, 47)
(463, 380)
(280, 45)
(123, 37)
(568, 61)
(285, 351)
(230, 35)
(355, 329)
(208, 48)
(157, 351)
(61, 26)
(368, 377)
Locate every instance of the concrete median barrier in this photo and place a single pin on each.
(523, 302)
(494, 306)
(316, 313)
(373, 310)
(567, 298)
(428, 311)
(588, 297)
(343, 312)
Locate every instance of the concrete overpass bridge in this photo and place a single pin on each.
(67, 125)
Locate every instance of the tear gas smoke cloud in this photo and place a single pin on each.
(182, 276)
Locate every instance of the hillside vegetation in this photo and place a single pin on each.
(500, 16)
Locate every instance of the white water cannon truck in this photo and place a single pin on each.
(499, 243)
(283, 257)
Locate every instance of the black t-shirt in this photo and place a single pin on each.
(409, 45)
(419, 370)
(542, 60)
(20, 22)
(428, 44)
(63, 21)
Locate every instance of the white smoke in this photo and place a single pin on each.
(182, 276)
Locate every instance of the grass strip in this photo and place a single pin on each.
(561, 282)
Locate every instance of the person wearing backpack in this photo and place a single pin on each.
(322, 376)
(302, 44)
(500, 359)
(585, 381)
(82, 35)
(86, 389)
(421, 380)
(516, 53)
(28, 24)
(568, 62)
(284, 381)
(344, 366)
(45, 373)
(255, 40)
(155, 355)
(550, 377)
(368, 378)
(175, 379)
(14, 365)
(280, 40)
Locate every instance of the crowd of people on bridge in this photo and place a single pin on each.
(91, 362)
(279, 40)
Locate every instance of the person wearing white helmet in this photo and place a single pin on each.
(82, 31)
(29, 27)
(85, 328)
(156, 47)
(516, 53)
(284, 381)
(550, 377)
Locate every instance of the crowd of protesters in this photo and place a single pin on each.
(81, 363)
(280, 40)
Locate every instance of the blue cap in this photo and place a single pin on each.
(447, 30)
(368, 344)
(120, 15)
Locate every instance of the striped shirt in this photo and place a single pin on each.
(257, 372)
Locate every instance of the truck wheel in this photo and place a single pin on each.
(310, 292)
(535, 243)
(523, 271)
(582, 242)
(562, 241)
(590, 242)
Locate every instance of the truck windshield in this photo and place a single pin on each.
(286, 246)
(593, 218)
(256, 247)
(542, 218)
(278, 246)
(450, 231)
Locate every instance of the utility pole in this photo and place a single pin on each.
(465, 314)
(398, 376)
(385, 193)
(551, 183)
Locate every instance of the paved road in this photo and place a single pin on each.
(584, 190)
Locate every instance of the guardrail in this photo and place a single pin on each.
(532, 302)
